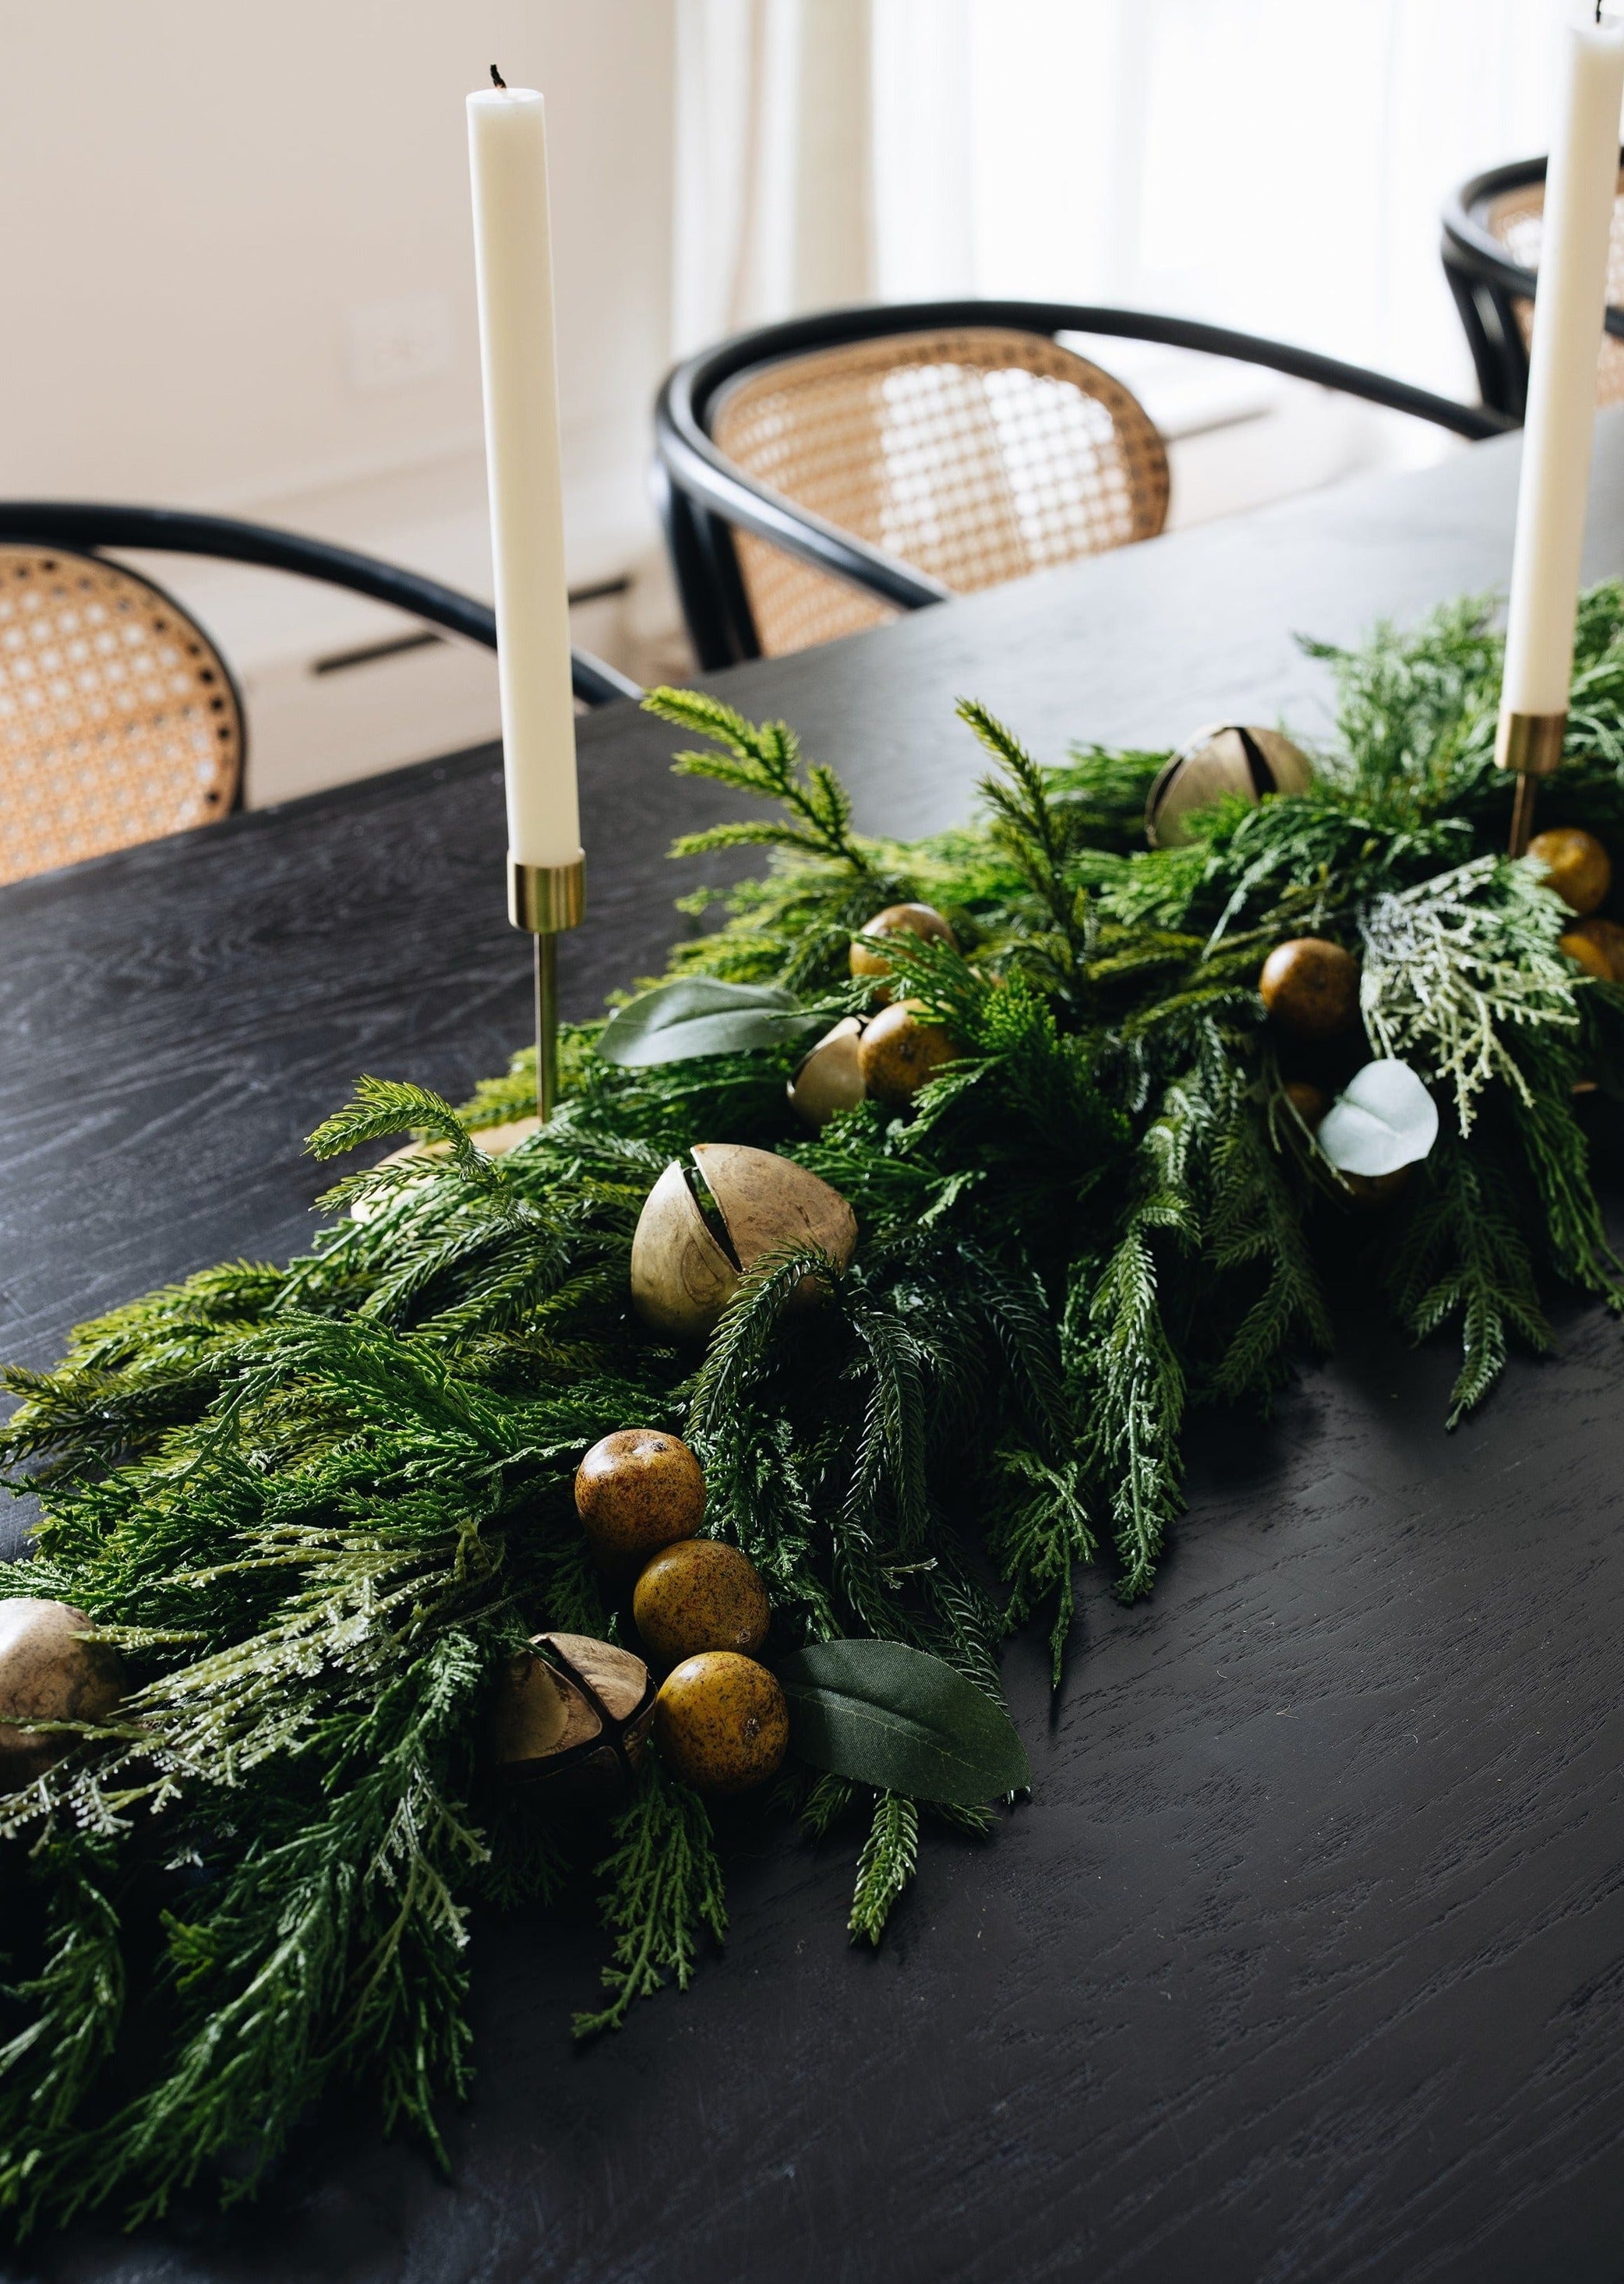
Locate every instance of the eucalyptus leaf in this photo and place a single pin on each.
(1382, 1119)
(889, 1716)
(699, 1015)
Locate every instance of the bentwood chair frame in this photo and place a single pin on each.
(187, 727)
(87, 526)
(705, 498)
(1493, 292)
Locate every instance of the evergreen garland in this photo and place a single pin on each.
(317, 1506)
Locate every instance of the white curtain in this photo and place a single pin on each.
(774, 208)
(1278, 165)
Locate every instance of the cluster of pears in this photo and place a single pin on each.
(1310, 988)
(718, 1719)
(1580, 870)
(888, 1055)
(721, 1722)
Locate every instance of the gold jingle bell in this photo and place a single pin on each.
(684, 1270)
(571, 1721)
(831, 1078)
(48, 1671)
(1226, 759)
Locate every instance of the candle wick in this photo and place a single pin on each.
(497, 79)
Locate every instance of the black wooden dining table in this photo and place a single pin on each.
(1306, 1958)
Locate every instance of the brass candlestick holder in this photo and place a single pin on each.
(1531, 744)
(544, 900)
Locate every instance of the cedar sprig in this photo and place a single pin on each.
(1457, 966)
(762, 759)
(1025, 823)
(1130, 1377)
(1040, 1533)
(889, 1859)
(1557, 1157)
(1256, 1222)
(381, 1108)
(663, 1891)
(1464, 1256)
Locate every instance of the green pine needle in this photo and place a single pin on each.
(889, 1859)
(1463, 1256)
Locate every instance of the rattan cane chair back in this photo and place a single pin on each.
(119, 722)
(975, 455)
(1517, 219)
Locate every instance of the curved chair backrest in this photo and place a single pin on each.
(976, 454)
(118, 719)
(1493, 227)
(906, 453)
(84, 769)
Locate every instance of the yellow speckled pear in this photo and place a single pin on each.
(899, 1052)
(1575, 865)
(867, 957)
(636, 1491)
(701, 1594)
(722, 1723)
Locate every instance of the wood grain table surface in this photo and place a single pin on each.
(1306, 1960)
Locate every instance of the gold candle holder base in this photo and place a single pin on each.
(1531, 744)
(545, 899)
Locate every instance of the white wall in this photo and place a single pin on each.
(239, 276)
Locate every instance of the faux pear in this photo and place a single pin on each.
(867, 957)
(1575, 865)
(900, 1053)
(1311, 988)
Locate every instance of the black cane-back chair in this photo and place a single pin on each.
(1492, 229)
(118, 719)
(817, 477)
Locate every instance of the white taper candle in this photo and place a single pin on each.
(507, 151)
(1568, 312)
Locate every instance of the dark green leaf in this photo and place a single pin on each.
(890, 1716)
(697, 1015)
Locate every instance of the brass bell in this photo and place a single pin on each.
(49, 1672)
(829, 1079)
(1226, 759)
(571, 1721)
(683, 1273)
